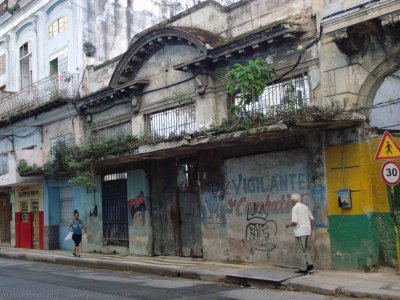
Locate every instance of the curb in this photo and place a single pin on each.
(296, 283)
(118, 266)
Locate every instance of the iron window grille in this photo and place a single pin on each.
(173, 122)
(24, 211)
(66, 139)
(114, 131)
(66, 204)
(290, 94)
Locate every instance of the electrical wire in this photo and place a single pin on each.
(104, 18)
(143, 93)
(21, 136)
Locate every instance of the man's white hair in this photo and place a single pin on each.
(295, 197)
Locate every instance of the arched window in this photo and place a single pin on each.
(385, 109)
(58, 26)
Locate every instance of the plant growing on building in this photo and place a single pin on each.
(25, 169)
(246, 83)
(182, 98)
(79, 161)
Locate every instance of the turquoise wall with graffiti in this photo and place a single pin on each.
(139, 216)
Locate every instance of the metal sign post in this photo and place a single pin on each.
(391, 175)
(395, 225)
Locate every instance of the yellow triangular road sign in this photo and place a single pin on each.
(388, 148)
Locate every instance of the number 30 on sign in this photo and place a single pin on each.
(391, 173)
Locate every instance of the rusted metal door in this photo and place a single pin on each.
(35, 223)
(176, 209)
(115, 210)
(5, 218)
(165, 214)
(189, 206)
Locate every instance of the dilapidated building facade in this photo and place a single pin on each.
(204, 192)
(201, 183)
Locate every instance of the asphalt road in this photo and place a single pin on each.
(33, 280)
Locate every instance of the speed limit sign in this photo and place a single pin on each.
(391, 173)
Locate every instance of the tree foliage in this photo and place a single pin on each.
(247, 82)
(79, 161)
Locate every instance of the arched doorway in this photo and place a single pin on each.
(385, 107)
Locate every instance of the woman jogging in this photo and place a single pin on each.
(76, 225)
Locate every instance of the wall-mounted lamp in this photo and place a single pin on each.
(89, 118)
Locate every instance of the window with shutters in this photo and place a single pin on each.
(25, 58)
(24, 211)
(59, 61)
(2, 64)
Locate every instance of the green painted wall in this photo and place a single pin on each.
(362, 237)
(362, 241)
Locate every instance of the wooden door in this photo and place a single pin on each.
(5, 219)
(35, 224)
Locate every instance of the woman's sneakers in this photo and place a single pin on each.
(74, 254)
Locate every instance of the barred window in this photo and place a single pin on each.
(292, 93)
(67, 139)
(173, 122)
(58, 26)
(114, 131)
(116, 176)
(3, 163)
(66, 204)
(2, 64)
(24, 211)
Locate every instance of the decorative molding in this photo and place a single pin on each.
(397, 59)
(390, 20)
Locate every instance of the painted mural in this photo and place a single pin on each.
(137, 208)
(257, 204)
(214, 201)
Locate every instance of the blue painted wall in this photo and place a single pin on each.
(28, 137)
(52, 207)
(90, 199)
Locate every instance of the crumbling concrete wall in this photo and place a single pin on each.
(245, 206)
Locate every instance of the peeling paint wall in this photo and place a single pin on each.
(165, 213)
(362, 237)
(245, 206)
(55, 229)
(139, 216)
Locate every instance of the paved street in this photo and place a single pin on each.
(33, 280)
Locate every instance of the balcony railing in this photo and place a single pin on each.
(57, 86)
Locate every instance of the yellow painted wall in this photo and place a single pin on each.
(353, 166)
(19, 196)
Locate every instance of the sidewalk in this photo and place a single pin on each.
(380, 285)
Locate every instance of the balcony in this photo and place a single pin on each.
(9, 162)
(49, 90)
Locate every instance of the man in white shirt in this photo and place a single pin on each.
(302, 223)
